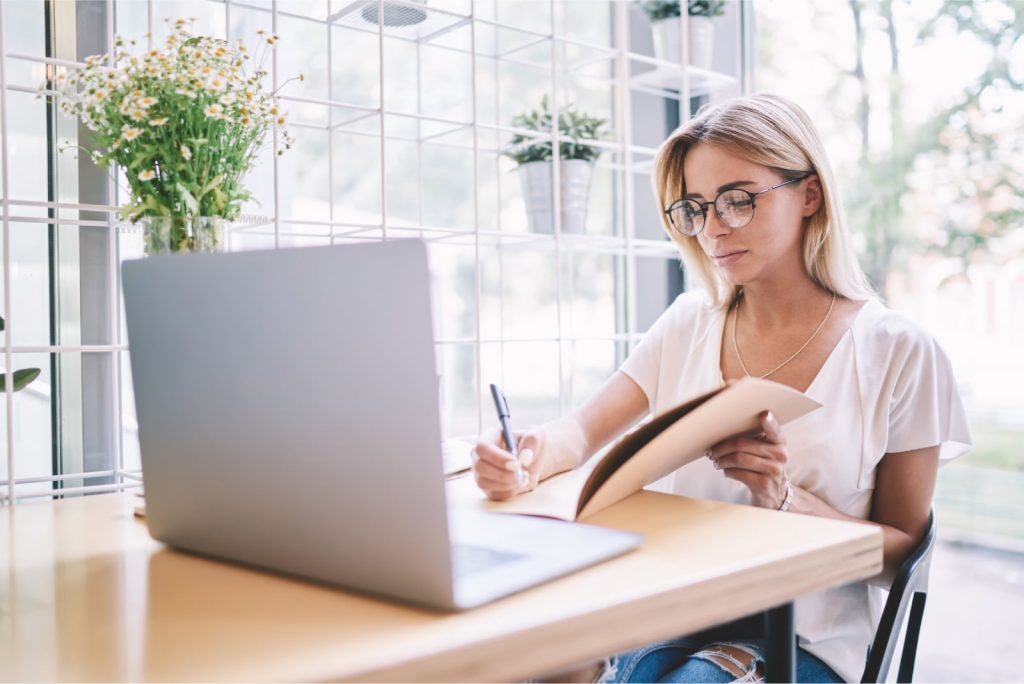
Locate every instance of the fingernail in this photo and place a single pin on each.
(512, 465)
(526, 457)
(718, 466)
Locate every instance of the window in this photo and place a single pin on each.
(920, 104)
(400, 130)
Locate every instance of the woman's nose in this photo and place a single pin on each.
(713, 225)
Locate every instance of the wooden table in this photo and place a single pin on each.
(86, 594)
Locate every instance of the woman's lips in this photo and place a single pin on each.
(729, 258)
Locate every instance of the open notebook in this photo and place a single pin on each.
(664, 444)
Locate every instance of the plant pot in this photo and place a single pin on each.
(575, 178)
(169, 234)
(702, 33)
(667, 33)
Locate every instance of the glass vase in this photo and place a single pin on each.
(170, 234)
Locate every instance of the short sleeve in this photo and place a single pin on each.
(643, 364)
(926, 409)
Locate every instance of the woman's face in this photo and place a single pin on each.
(771, 242)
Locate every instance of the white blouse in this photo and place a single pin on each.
(886, 387)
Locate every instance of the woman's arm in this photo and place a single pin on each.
(561, 444)
(612, 410)
(904, 485)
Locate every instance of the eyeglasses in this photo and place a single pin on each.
(735, 208)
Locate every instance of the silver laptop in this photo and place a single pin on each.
(288, 419)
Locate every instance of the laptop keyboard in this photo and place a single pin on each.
(467, 558)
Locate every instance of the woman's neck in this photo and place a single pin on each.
(782, 302)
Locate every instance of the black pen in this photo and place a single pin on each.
(506, 429)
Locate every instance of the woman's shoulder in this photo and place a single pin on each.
(693, 306)
(888, 333)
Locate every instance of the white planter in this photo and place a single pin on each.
(667, 33)
(575, 178)
(702, 33)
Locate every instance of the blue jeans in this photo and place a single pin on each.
(693, 659)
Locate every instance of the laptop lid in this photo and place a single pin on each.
(275, 392)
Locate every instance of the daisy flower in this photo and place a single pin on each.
(186, 153)
(158, 122)
(130, 132)
(147, 175)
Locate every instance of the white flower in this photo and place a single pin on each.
(228, 99)
(216, 84)
(186, 153)
(146, 175)
(214, 111)
(158, 122)
(137, 114)
(130, 132)
(186, 93)
(147, 102)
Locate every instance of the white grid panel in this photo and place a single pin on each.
(452, 27)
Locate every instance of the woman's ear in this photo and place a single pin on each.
(814, 196)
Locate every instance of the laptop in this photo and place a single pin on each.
(288, 419)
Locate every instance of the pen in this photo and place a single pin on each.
(501, 405)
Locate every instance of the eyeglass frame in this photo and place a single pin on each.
(704, 206)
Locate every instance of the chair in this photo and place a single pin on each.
(910, 586)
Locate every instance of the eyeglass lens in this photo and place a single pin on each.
(735, 208)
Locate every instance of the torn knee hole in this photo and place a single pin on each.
(740, 661)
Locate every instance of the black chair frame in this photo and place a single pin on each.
(909, 588)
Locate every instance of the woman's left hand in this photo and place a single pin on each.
(759, 463)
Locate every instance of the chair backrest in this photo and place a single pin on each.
(909, 585)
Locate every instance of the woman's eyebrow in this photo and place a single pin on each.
(727, 186)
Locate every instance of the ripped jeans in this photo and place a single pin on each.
(700, 658)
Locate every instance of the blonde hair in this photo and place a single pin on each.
(776, 133)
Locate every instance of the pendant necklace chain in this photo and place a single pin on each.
(814, 334)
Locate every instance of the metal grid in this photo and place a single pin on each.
(419, 24)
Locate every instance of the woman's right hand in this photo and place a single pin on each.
(543, 451)
(500, 474)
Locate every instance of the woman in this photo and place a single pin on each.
(749, 198)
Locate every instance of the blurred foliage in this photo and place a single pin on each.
(657, 10)
(573, 127)
(969, 152)
(21, 377)
(994, 447)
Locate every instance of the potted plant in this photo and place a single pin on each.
(21, 377)
(665, 22)
(534, 159)
(185, 123)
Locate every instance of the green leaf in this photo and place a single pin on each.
(212, 185)
(1, 323)
(220, 201)
(190, 201)
(21, 378)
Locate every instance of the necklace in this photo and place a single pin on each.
(814, 334)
